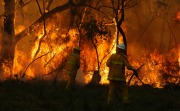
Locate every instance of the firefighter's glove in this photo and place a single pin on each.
(135, 73)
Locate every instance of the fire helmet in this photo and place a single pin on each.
(121, 46)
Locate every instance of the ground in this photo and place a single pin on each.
(42, 95)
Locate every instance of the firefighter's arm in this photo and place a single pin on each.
(128, 65)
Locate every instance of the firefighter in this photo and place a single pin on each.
(116, 63)
(72, 65)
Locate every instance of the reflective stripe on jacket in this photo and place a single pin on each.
(116, 64)
(73, 64)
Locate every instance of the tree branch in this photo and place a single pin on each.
(33, 62)
(44, 23)
(96, 9)
(1, 15)
(39, 7)
(49, 60)
(30, 29)
(49, 4)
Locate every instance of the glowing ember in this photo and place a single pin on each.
(178, 16)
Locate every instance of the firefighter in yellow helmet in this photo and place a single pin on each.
(72, 65)
(117, 63)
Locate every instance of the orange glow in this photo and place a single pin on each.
(19, 29)
(88, 55)
(178, 16)
(157, 66)
(179, 56)
(7, 69)
(47, 53)
(157, 71)
(41, 54)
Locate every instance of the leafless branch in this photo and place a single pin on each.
(32, 63)
(62, 65)
(2, 15)
(39, 46)
(40, 41)
(97, 9)
(172, 33)
(22, 4)
(142, 35)
(49, 4)
(49, 60)
(39, 7)
(30, 29)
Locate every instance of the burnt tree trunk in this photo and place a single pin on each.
(119, 23)
(119, 8)
(8, 47)
(96, 76)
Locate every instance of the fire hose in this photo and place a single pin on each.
(134, 74)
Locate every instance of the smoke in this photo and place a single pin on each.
(151, 30)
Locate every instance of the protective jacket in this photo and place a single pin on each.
(73, 64)
(116, 64)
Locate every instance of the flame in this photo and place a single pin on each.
(41, 54)
(17, 63)
(19, 29)
(160, 69)
(49, 62)
(46, 53)
(153, 67)
(179, 56)
(7, 69)
(88, 56)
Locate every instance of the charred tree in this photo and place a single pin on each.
(8, 46)
(118, 9)
(9, 39)
(96, 29)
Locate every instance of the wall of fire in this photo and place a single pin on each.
(152, 30)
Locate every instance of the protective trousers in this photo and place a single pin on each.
(71, 82)
(112, 88)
